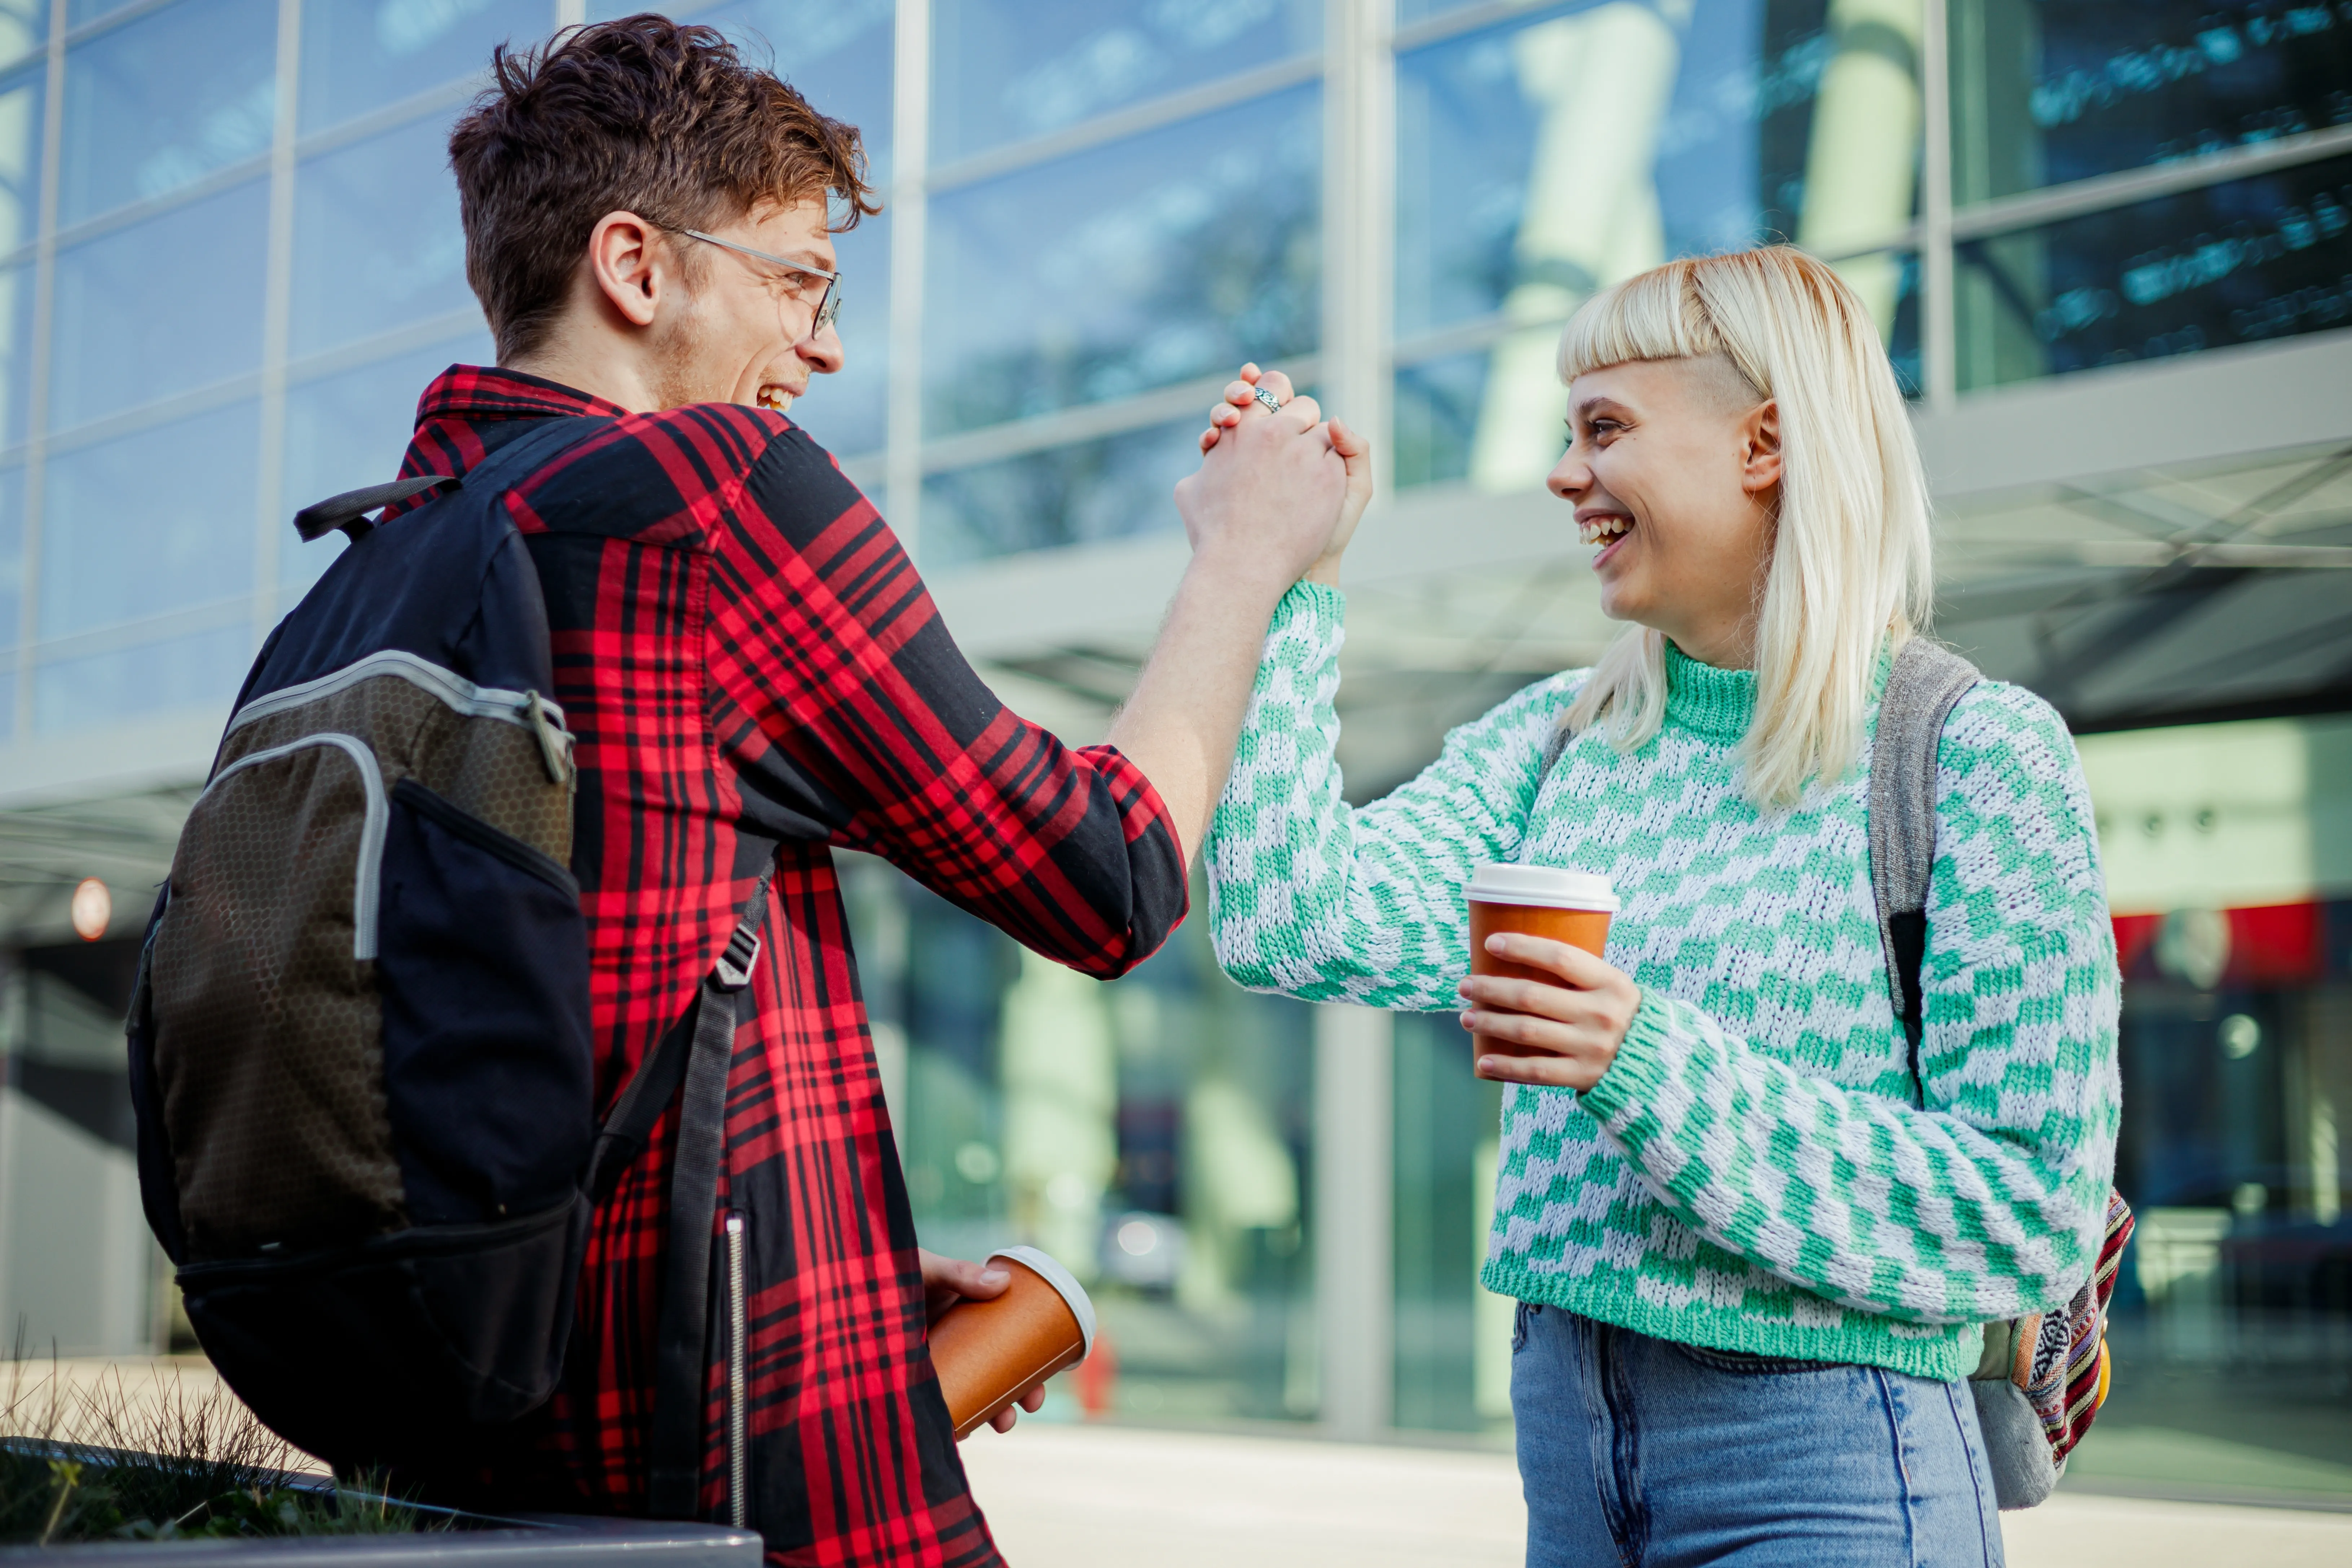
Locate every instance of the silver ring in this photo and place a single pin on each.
(1272, 403)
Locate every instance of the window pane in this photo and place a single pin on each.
(1543, 159)
(838, 52)
(1007, 69)
(848, 411)
(1153, 1134)
(1167, 257)
(126, 333)
(349, 430)
(150, 523)
(2241, 262)
(1540, 161)
(96, 689)
(16, 353)
(377, 243)
(2231, 1327)
(166, 99)
(12, 558)
(359, 55)
(20, 160)
(2045, 91)
(1109, 489)
(1453, 1335)
(23, 26)
(80, 11)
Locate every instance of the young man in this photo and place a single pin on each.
(755, 675)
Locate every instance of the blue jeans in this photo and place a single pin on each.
(1639, 1453)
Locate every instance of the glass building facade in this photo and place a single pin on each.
(230, 260)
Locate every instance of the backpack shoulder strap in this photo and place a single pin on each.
(349, 511)
(1927, 680)
(1554, 747)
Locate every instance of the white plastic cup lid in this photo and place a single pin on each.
(1073, 1294)
(1549, 886)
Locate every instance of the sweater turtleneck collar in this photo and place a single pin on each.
(1712, 704)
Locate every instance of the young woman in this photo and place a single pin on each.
(1749, 1250)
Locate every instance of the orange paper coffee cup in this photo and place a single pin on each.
(986, 1352)
(1573, 907)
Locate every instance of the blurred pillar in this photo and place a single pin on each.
(1359, 220)
(1061, 1106)
(1601, 81)
(1861, 165)
(1354, 1236)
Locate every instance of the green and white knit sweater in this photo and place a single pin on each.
(1753, 1173)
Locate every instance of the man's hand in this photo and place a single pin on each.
(1583, 1019)
(1353, 449)
(1267, 499)
(946, 1281)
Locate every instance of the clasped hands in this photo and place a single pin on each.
(1281, 486)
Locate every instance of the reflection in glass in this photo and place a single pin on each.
(1153, 260)
(2045, 91)
(1012, 68)
(1541, 161)
(2232, 1326)
(1453, 1335)
(16, 355)
(1109, 489)
(359, 55)
(848, 411)
(20, 160)
(349, 430)
(202, 671)
(157, 520)
(125, 334)
(80, 11)
(23, 26)
(2242, 262)
(377, 243)
(1151, 1133)
(1444, 406)
(836, 52)
(164, 100)
(12, 557)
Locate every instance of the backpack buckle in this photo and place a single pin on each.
(734, 966)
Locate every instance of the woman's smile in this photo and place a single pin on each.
(1607, 529)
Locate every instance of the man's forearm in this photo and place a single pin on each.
(1181, 723)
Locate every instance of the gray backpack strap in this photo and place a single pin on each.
(1560, 736)
(1927, 680)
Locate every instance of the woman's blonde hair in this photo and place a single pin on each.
(1852, 562)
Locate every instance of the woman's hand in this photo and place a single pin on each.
(1353, 449)
(1584, 1019)
(946, 1281)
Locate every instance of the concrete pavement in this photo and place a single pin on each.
(1063, 1496)
(1078, 1496)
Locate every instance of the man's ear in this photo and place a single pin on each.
(1759, 448)
(629, 260)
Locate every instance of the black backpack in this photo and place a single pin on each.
(361, 1050)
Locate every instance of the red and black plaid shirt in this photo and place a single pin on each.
(754, 669)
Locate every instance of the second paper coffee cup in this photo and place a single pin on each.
(1573, 907)
(986, 1352)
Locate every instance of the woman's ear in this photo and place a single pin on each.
(1760, 448)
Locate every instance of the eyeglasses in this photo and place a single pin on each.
(828, 305)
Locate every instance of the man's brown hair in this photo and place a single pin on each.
(642, 115)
